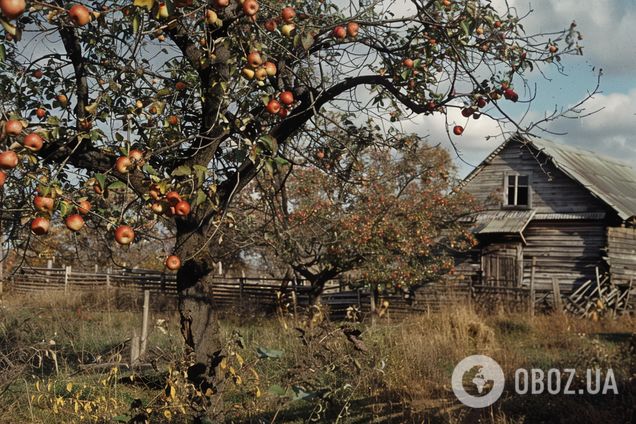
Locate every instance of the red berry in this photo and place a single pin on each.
(458, 130)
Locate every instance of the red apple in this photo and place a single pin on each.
(250, 7)
(33, 142)
(13, 127)
(270, 25)
(160, 207)
(40, 113)
(288, 14)
(408, 63)
(270, 68)
(43, 204)
(8, 160)
(122, 165)
(467, 112)
(40, 226)
(136, 156)
(173, 263)
(339, 32)
(283, 112)
(254, 59)
(98, 188)
(154, 191)
(74, 222)
(352, 29)
(170, 211)
(287, 97)
(273, 107)
(182, 208)
(173, 120)
(220, 3)
(84, 207)
(182, 3)
(12, 9)
(180, 86)
(79, 15)
(481, 103)
(210, 16)
(173, 198)
(320, 155)
(124, 234)
(458, 130)
(3, 177)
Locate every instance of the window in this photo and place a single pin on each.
(518, 192)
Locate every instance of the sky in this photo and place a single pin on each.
(609, 45)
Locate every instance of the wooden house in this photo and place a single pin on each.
(558, 211)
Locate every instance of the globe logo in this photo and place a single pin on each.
(482, 376)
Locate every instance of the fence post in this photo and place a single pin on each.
(67, 273)
(372, 303)
(556, 292)
(241, 288)
(533, 294)
(134, 348)
(144, 323)
(108, 278)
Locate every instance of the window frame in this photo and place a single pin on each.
(506, 201)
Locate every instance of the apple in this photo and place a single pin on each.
(481, 103)
(220, 3)
(173, 120)
(38, 74)
(479, 31)
(13, 127)
(180, 85)
(248, 73)
(352, 29)
(270, 25)
(170, 211)
(339, 32)
(467, 112)
(182, 3)
(154, 191)
(8, 160)
(446, 3)
(62, 98)
(273, 107)
(320, 155)
(43, 204)
(3, 177)
(288, 14)
(74, 222)
(250, 7)
(553, 49)
(173, 263)
(288, 29)
(84, 207)
(270, 68)
(260, 74)
(408, 63)
(122, 165)
(124, 234)
(287, 97)
(254, 60)
(173, 198)
(160, 207)
(33, 142)
(283, 112)
(40, 113)
(210, 16)
(79, 15)
(40, 226)
(136, 156)
(12, 9)
(182, 208)
(98, 188)
(458, 130)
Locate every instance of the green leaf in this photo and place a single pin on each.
(163, 92)
(119, 137)
(276, 390)
(121, 418)
(136, 22)
(307, 40)
(405, 74)
(149, 169)
(268, 353)
(270, 165)
(101, 180)
(300, 393)
(181, 171)
(464, 27)
(269, 142)
(201, 196)
(280, 161)
(144, 3)
(116, 185)
(3, 53)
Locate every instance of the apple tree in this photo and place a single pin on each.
(389, 215)
(164, 111)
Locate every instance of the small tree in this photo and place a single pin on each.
(184, 96)
(392, 220)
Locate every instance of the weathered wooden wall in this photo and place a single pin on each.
(621, 254)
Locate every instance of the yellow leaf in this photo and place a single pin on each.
(149, 410)
(144, 3)
(55, 408)
(69, 387)
(258, 392)
(239, 359)
(76, 406)
(232, 370)
(209, 392)
(168, 414)
(173, 392)
(37, 386)
(238, 379)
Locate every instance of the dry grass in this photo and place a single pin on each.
(402, 377)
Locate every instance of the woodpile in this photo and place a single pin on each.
(600, 297)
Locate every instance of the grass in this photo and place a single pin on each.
(399, 374)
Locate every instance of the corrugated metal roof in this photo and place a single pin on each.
(561, 216)
(508, 222)
(611, 180)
